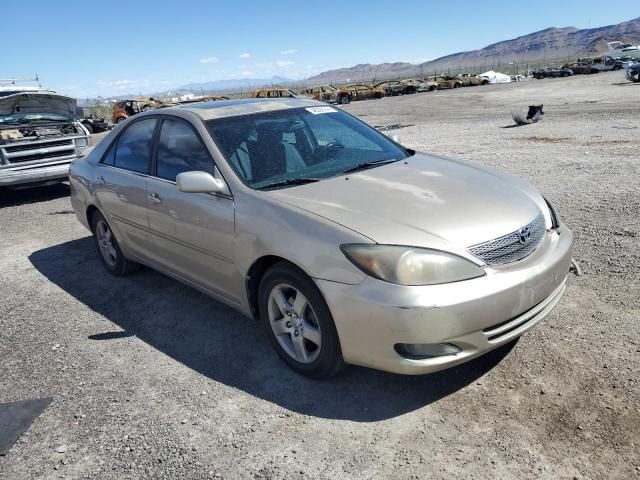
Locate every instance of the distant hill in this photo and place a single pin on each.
(545, 45)
(234, 84)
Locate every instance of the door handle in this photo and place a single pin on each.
(155, 198)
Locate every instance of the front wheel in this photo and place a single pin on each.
(299, 323)
(112, 257)
(345, 99)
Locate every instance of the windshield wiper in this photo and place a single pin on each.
(289, 182)
(366, 165)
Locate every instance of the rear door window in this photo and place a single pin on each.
(133, 151)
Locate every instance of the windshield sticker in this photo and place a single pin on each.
(319, 110)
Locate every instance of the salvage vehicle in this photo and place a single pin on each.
(390, 87)
(92, 123)
(428, 86)
(206, 98)
(39, 137)
(363, 92)
(124, 109)
(346, 246)
(632, 72)
(273, 93)
(581, 68)
(329, 94)
(553, 72)
(445, 82)
(472, 80)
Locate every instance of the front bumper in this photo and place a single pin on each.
(34, 175)
(476, 315)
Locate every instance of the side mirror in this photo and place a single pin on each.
(201, 182)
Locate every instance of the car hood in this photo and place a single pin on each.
(426, 201)
(38, 103)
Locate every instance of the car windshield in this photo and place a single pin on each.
(313, 143)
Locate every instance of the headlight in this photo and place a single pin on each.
(555, 219)
(82, 142)
(411, 265)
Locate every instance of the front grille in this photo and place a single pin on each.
(513, 246)
(42, 156)
(34, 146)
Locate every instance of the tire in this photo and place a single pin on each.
(345, 100)
(301, 322)
(113, 260)
(411, 91)
(433, 88)
(89, 127)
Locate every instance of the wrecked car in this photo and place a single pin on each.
(553, 72)
(39, 137)
(345, 246)
(363, 92)
(472, 80)
(273, 93)
(581, 68)
(632, 72)
(427, 86)
(92, 123)
(445, 82)
(390, 87)
(206, 98)
(329, 94)
(124, 109)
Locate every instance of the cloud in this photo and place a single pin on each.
(247, 73)
(208, 60)
(291, 51)
(284, 63)
(244, 55)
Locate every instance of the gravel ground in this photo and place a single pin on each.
(151, 379)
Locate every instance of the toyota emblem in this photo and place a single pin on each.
(524, 234)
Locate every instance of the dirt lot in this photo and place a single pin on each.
(151, 379)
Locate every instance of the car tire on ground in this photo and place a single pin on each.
(345, 99)
(108, 249)
(298, 322)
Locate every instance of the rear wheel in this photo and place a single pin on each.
(112, 257)
(299, 323)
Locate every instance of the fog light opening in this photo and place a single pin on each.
(422, 351)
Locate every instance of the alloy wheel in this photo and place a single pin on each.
(105, 243)
(294, 323)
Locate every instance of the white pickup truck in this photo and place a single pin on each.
(39, 136)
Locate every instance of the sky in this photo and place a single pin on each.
(88, 49)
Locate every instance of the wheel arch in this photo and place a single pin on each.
(255, 274)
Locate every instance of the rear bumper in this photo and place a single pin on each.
(476, 315)
(34, 175)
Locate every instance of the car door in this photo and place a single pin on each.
(121, 185)
(193, 233)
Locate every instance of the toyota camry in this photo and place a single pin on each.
(348, 247)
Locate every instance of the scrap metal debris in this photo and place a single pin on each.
(534, 114)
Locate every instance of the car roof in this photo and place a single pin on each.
(244, 106)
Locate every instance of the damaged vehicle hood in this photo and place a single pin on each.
(423, 201)
(33, 105)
